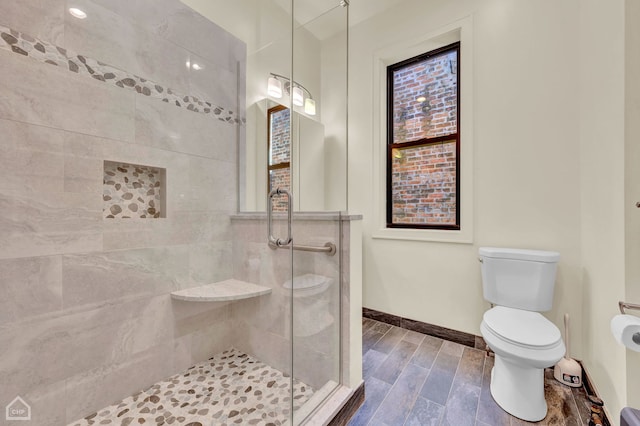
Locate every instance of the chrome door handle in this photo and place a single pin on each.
(273, 240)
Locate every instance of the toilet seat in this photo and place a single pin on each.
(529, 330)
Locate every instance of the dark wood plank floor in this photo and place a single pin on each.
(418, 380)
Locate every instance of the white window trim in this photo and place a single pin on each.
(462, 31)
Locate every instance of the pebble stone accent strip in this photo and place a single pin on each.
(131, 190)
(232, 388)
(42, 51)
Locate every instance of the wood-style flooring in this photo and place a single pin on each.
(419, 380)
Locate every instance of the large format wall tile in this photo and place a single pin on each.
(31, 158)
(83, 163)
(128, 234)
(30, 286)
(215, 83)
(210, 339)
(162, 125)
(108, 276)
(26, 359)
(210, 263)
(210, 41)
(37, 224)
(42, 18)
(46, 95)
(213, 184)
(91, 320)
(83, 396)
(116, 41)
(143, 13)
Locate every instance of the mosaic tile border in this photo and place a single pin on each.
(44, 52)
(231, 388)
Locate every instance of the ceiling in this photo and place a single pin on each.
(325, 18)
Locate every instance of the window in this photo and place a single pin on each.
(423, 141)
(279, 158)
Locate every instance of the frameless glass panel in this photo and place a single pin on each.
(318, 169)
(262, 324)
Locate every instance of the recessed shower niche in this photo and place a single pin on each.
(133, 191)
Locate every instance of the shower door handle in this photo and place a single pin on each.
(273, 241)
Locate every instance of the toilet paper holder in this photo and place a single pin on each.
(630, 306)
(625, 305)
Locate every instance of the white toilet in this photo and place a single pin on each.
(520, 284)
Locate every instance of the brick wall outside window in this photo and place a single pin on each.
(423, 144)
(279, 155)
(424, 185)
(435, 79)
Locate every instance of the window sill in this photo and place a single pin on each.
(427, 235)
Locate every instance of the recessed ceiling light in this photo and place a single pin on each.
(77, 13)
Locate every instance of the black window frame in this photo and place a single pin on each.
(391, 69)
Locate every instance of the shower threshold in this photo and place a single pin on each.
(231, 388)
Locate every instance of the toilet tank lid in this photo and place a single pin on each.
(520, 254)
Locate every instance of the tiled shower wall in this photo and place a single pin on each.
(85, 312)
(263, 325)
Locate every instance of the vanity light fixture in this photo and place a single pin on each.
(310, 106)
(274, 87)
(77, 13)
(300, 95)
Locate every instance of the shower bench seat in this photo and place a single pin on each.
(221, 291)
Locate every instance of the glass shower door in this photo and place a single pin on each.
(319, 186)
(292, 187)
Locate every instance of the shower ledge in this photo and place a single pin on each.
(221, 292)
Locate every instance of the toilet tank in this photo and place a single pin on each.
(519, 278)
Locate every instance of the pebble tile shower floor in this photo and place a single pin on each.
(231, 388)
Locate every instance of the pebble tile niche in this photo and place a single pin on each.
(133, 191)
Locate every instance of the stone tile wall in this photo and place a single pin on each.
(86, 318)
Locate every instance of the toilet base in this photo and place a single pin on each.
(518, 389)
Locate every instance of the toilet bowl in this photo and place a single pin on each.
(520, 283)
(525, 343)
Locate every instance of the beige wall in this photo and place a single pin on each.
(547, 91)
(526, 172)
(602, 192)
(632, 182)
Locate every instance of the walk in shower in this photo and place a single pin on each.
(173, 189)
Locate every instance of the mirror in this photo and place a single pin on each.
(302, 148)
(292, 156)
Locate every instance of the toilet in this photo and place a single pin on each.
(519, 284)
